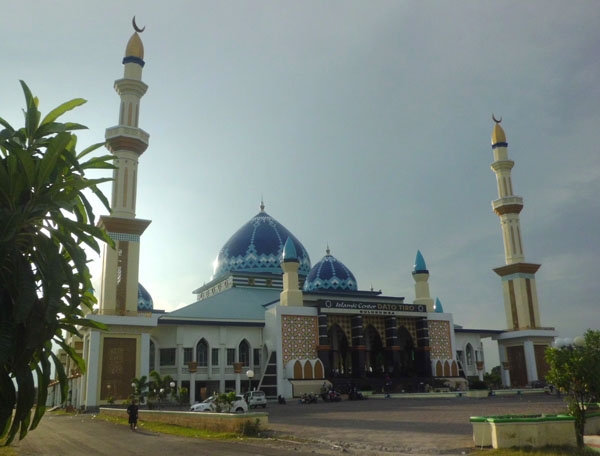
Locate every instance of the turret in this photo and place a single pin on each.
(291, 294)
(421, 277)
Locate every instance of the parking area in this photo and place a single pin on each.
(400, 425)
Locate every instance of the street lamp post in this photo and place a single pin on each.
(133, 386)
(172, 386)
(250, 375)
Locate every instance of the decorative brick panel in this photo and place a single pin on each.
(439, 339)
(300, 337)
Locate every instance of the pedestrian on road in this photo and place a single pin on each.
(132, 411)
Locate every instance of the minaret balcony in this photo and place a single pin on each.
(127, 132)
(126, 138)
(502, 165)
(130, 86)
(508, 205)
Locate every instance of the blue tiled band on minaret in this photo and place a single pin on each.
(124, 237)
(133, 59)
(500, 144)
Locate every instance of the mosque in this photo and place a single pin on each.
(271, 319)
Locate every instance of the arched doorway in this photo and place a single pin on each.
(374, 356)
(407, 353)
(339, 355)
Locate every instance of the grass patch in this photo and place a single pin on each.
(172, 429)
(7, 451)
(547, 451)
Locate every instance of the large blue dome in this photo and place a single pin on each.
(330, 274)
(145, 302)
(257, 247)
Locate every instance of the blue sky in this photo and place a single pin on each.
(363, 125)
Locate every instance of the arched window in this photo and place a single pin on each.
(469, 350)
(244, 353)
(202, 353)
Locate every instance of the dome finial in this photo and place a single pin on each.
(262, 204)
(135, 26)
(327, 250)
(498, 135)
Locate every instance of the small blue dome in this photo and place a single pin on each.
(145, 302)
(330, 274)
(257, 247)
(438, 306)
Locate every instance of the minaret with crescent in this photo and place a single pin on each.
(520, 293)
(522, 346)
(127, 142)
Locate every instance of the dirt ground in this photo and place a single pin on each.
(375, 427)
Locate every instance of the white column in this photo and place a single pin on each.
(530, 361)
(192, 388)
(145, 355)
(222, 365)
(505, 373)
(179, 360)
(93, 370)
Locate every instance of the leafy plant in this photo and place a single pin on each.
(575, 370)
(224, 401)
(45, 284)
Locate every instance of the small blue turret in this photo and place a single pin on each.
(289, 252)
(420, 267)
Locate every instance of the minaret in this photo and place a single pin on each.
(522, 347)
(291, 295)
(421, 277)
(127, 142)
(518, 277)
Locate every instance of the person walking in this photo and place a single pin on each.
(132, 411)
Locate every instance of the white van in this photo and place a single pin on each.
(256, 399)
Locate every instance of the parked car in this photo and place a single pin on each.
(208, 405)
(256, 399)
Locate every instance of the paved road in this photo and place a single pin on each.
(376, 427)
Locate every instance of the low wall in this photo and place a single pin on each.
(524, 431)
(482, 431)
(476, 393)
(592, 423)
(218, 422)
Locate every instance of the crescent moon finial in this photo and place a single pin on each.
(135, 26)
(496, 120)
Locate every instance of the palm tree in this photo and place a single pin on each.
(140, 390)
(46, 220)
(160, 386)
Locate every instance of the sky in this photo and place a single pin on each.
(364, 126)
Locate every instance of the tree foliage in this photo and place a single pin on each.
(575, 370)
(140, 390)
(160, 387)
(46, 220)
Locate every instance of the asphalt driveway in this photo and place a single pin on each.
(376, 427)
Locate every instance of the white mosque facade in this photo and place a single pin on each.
(272, 319)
